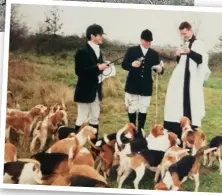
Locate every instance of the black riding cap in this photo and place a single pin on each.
(94, 29)
(147, 35)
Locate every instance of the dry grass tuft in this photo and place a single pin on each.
(113, 87)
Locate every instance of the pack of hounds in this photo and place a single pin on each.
(73, 160)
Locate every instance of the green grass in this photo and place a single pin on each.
(215, 83)
(63, 74)
(113, 112)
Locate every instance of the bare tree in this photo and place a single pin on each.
(52, 21)
(41, 28)
(52, 27)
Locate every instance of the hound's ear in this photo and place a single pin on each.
(183, 121)
(154, 131)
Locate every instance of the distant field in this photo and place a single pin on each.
(29, 74)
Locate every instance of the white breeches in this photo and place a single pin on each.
(136, 103)
(91, 110)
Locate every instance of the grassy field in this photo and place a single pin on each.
(28, 74)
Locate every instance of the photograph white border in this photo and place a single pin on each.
(5, 80)
(210, 3)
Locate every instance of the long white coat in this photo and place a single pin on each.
(173, 110)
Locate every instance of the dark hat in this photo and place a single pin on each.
(94, 29)
(147, 35)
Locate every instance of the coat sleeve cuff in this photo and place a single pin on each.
(195, 56)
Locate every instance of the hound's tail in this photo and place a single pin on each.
(207, 151)
(63, 100)
(33, 143)
(94, 146)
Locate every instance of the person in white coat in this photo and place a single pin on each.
(185, 93)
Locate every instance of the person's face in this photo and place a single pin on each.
(187, 34)
(145, 44)
(98, 39)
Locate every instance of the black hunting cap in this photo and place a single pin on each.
(147, 35)
(94, 29)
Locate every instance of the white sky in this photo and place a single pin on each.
(126, 25)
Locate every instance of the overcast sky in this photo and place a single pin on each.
(126, 24)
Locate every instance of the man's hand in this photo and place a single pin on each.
(158, 68)
(178, 52)
(102, 66)
(136, 64)
(187, 50)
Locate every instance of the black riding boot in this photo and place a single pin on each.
(141, 122)
(132, 118)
